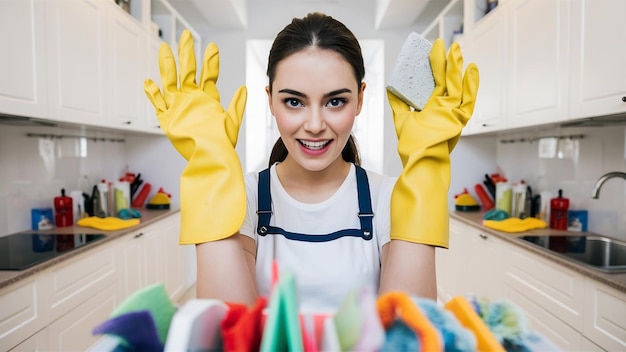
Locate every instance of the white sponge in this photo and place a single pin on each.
(412, 77)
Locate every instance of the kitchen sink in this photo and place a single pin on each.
(597, 252)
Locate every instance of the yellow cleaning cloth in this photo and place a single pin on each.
(515, 224)
(107, 224)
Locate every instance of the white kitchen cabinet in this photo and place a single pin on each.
(23, 89)
(605, 316)
(573, 311)
(486, 46)
(598, 71)
(37, 342)
(551, 295)
(467, 267)
(538, 60)
(141, 265)
(177, 271)
(22, 311)
(126, 65)
(73, 331)
(76, 35)
(153, 72)
(152, 255)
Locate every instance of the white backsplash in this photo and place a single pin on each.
(600, 150)
(35, 169)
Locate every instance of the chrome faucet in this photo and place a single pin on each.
(604, 178)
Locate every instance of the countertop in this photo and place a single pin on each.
(8, 277)
(615, 280)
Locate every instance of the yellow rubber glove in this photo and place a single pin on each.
(419, 201)
(212, 191)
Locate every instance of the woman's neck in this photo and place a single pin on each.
(311, 186)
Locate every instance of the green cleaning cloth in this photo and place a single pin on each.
(515, 224)
(154, 299)
(282, 328)
(107, 224)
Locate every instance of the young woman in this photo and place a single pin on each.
(314, 211)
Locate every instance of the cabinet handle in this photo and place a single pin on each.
(138, 235)
(484, 125)
(483, 236)
(127, 122)
(624, 99)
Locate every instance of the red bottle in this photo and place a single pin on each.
(558, 212)
(63, 213)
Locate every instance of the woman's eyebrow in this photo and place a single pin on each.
(329, 94)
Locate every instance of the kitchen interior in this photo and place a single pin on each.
(551, 113)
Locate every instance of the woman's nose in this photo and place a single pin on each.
(315, 122)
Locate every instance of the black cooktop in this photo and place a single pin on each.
(23, 250)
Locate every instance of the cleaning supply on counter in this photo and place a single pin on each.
(515, 224)
(518, 203)
(485, 199)
(41, 219)
(544, 206)
(103, 198)
(108, 223)
(465, 202)
(558, 212)
(160, 201)
(140, 198)
(504, 197)
(63, 212)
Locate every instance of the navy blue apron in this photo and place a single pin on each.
(365, 212)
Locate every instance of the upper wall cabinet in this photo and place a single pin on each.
(84, 61)
(538, 61)
(545, 62)
(76, 46)
(486, 47)
(23, 90)
(598, 66)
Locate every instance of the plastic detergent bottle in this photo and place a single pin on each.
(558, 212)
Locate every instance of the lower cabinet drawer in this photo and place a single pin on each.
(22, 312)
(80, 279)
(544, 323)
(605, 316)
(73, 331)
(556, 289)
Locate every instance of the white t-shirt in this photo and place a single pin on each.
(325, 272)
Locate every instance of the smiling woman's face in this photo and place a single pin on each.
(315, 99)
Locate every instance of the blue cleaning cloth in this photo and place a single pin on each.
(456, 338)
(400, 337)
(137, 329)
(496, 214)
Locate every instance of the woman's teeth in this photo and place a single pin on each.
(314, 145)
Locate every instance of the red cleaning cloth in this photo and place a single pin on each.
(242, 328)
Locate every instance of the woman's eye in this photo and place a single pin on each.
(336, 102)
(294, 103)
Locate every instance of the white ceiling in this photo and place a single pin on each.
(234, 13)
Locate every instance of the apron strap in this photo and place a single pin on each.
(365, 214)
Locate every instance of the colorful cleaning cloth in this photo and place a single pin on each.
(137, 331)
(242, 328)
(393, 306)
(154, 299)
(515, 224)
(107, 224)
(469, 318)
(456, 338)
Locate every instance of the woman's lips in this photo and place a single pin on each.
(314, 147)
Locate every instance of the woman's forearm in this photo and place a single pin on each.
(409, 267)
(223, 272)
